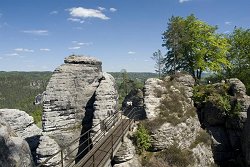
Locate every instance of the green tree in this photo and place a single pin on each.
(239, 56)
(158, 58)
(194, 46)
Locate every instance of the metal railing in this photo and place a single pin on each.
(111, 130)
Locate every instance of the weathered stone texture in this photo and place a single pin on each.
(105, 105)
(23, 125)
(67, 94)
(47, 147)
(14, 150)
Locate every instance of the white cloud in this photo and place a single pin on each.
(131, 52)
(146, 60)
(76, 20)
(84, 43)
(36, 32)
(112, 9)
(181, 1)
(74, 48)
(228, 23)
(101, 8)
(23, 50)
(53, 12)
(12, 54)
(226, 32)
(87, 13)
(1, 58)
(45, 49)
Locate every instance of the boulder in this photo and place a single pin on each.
(126, 151)
(236, 87)
(23, 125)
(14, 150)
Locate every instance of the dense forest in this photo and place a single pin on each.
(18, 90)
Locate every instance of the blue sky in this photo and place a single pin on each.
(36, 35)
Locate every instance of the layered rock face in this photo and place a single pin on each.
(105, 105)
(47, 147)
(14, 150)
(67, 97)
(78, 97)
(172, 119)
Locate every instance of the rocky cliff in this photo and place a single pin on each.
(222, 109)
(173, 123)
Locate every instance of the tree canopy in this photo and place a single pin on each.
(194, 46)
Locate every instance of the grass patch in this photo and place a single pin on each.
(202, 137)
(175, 156)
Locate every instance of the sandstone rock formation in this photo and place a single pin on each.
(14, 150)
(228, 128)
(78, 97)
(68, 96)
(47, 147)
(105, 105)
(126, 152)
(172, 117)
(152, 96)
(23, 125)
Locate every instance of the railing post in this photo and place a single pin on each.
(94, 160)
(88, 141)
(62, 157)
(112, 146)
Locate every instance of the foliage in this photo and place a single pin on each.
(142, 139)
(18, 90)
(158, 58)
(218, 96)
(239, 56)
(128, 81)
(194, 46)
(175, 156)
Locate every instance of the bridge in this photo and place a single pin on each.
(101, 150)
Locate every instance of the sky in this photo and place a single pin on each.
(36, 35)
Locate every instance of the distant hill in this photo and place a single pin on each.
(137, 76)
(18, 89)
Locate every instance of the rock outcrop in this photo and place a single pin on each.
(68, 97)
(79, 96)
(23, 125)
(105, 105)
(152, 96)
(172, 118)
(224, 115)
(14, 150)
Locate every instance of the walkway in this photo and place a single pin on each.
(105, 145)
